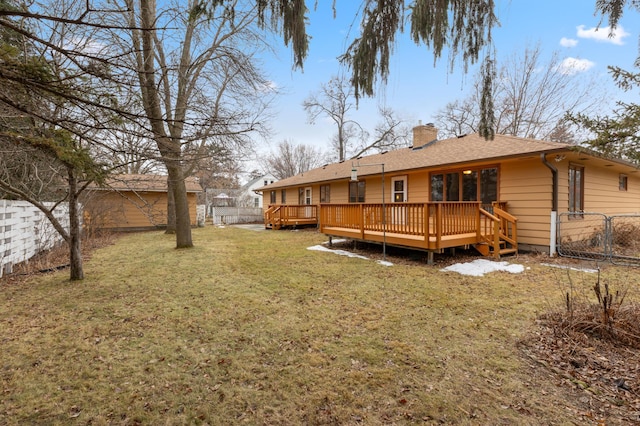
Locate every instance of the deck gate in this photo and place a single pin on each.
(595, 236)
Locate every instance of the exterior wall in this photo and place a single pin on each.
(526, 186)
(418, 187)
(131, 211)
(249, 194)
(601, 190)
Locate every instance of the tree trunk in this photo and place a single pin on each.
(183, 221)
(75, 237)
(171, 209)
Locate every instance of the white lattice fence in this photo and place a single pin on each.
(25, 231)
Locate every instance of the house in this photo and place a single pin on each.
(247, 196)
(496, 195)
(133, 202)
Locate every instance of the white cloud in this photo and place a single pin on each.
(602, 34)
(572, 66)
(568, 42)
(85, 46)
(269, 86)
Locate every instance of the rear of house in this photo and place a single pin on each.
(531, 181)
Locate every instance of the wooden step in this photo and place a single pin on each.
(487, 250)
(508, 251)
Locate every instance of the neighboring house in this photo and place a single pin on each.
(497, 195)
(133, 203)
(248, 197)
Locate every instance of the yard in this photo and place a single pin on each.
(253, 328)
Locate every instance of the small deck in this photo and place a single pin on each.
(285, 216)
(426, 226)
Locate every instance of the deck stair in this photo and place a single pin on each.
(289, 216)
(272, 218)
(498, 234)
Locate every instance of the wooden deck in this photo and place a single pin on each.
(426, 226)
(283, 216)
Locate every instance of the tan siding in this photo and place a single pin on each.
(602, 194)
(418, 185)
(526, 186)
(130, 210)
(340, 192)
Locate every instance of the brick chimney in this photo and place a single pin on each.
(423, 134)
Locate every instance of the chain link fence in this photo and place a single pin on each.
(625, 239)
(595, 236)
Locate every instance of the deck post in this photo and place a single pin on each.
(430, 258)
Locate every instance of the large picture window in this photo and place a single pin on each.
(576, 189)
(467, 185)
(356, 192)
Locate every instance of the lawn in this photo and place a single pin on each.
(252, 328)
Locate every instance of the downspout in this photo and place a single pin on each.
(554, 205)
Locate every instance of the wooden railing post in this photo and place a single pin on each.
(478, 223)
(496, 238)
(438, 224)
(361, 219)
(426, 227)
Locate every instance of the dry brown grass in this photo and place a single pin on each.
(252, 328)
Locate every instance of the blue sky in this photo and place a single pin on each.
(415, 89)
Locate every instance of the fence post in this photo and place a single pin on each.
(608, 238)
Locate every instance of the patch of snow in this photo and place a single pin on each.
(587, 270)
(338, 252)
(346, 253)
(479, 267)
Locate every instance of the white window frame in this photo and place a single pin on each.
(405, 196)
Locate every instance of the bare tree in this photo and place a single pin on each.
(290, 159)
(530, 100)
(390, 133)
(195, 72)
(336, 101)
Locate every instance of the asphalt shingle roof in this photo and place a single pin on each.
(145, 182)
(447, 152)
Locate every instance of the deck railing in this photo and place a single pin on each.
(430, 226)
(497, 229)
(422, 219)
(278, 216)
